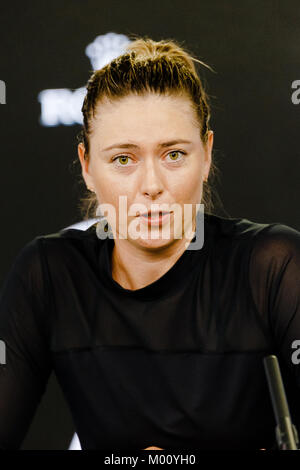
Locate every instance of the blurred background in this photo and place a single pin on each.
(47, 52)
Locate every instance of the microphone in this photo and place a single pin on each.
(286, 432)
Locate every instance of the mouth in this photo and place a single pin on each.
(154, 215)
(155, 218)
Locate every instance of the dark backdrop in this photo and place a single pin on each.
(252, 45)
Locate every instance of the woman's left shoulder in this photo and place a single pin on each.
(275, 253)
(264, 240)
(278, 239)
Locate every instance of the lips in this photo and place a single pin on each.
(157, 218)
(154, 214)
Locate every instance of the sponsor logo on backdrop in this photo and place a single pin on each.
(62, 106)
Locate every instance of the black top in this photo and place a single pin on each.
(175, 364)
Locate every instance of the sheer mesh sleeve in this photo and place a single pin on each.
(275, 285)
(274, 274)
(24, 329)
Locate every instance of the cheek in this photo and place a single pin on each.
(118, 195)
(193, 182)
(187, 187)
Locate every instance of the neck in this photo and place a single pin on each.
(134, 266)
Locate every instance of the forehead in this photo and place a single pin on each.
(135, 99)
(142, 113)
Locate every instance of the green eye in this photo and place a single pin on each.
(173, 154)
(123, 158)
(176, 152)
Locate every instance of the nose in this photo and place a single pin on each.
(151, 179)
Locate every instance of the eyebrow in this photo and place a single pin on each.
(134, 146)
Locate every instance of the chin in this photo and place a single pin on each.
(154, 243)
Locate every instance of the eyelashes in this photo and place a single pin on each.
(173, 162)
(121, 156)
(177, 151)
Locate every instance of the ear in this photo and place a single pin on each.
(85, 166)
(207, 154)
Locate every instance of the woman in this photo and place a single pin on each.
(155, 344)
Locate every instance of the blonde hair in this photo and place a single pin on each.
(163, 67)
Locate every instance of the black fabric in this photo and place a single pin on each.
(176, 364)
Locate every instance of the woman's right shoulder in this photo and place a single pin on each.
(56, 247)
